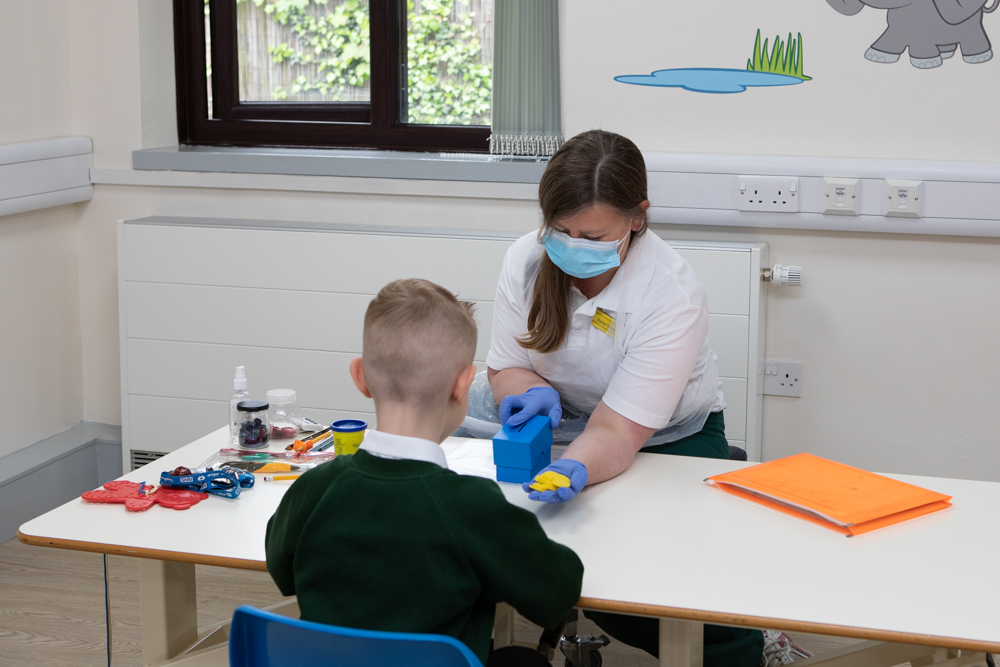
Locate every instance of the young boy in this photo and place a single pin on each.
(389, 538)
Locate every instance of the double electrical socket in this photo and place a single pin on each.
(783, 378)
(770, 194)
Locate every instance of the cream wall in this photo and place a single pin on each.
(40, 342)
(35, 100)
(897, 333)
(851, 108)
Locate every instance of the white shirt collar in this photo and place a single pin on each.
(389, 446)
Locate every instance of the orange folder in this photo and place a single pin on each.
(848, 500)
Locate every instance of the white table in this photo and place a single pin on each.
(655, 541)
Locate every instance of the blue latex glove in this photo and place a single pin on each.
(574, 470)
(515, 410)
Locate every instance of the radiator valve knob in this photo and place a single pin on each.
(779, 274)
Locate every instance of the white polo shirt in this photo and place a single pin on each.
(657, 370)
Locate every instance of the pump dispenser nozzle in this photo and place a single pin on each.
(240, 381)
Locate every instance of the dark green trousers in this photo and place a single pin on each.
(724, 646)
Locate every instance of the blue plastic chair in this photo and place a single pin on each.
(259, 638)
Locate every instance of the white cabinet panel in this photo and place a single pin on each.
(164, 424)
(726, 277)
(728, 336)
(190, 419)
(197, 370)
(265, 318)
(321, 261)
(735, 392)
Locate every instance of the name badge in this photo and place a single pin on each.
(604, 322)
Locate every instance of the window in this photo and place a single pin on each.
(394, 74)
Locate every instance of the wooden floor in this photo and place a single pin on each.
(52, 609)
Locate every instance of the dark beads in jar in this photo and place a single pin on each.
(255, 431)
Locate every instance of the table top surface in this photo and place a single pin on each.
(656, 540)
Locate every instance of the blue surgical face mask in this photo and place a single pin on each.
(582, 258)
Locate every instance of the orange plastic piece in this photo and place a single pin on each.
(848, 500)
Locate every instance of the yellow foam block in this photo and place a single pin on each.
(550, 481)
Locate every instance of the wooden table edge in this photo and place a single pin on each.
(720, 618)
(632, 608)
(138, 552)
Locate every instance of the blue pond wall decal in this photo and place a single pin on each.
(709, 79)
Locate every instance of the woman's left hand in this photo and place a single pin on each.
(558, 482)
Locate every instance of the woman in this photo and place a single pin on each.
(595, 315)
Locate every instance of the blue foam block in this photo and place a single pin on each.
(521, 446)
(522, 475)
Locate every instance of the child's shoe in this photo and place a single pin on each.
(779, 650)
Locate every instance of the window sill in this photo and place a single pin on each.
(342, 163)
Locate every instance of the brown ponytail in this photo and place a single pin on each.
(594, 167)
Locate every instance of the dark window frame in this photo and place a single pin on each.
(335, 125)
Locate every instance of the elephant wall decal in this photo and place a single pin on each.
(931, 30)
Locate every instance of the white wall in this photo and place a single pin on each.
(851, 108)
(41, 385)
(35, 100)
(897, 333)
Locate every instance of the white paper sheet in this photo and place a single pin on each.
(473, 456)
(470, 456)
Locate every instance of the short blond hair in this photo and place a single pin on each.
(418, 337)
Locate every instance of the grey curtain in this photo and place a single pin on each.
(526, 110)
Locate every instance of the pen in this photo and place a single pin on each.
(325, 445)
(320, 445)
(276, 478)
(317, 434)
(306, 444)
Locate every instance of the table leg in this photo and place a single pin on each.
(681, 643)
(503, 626)
(169, 609)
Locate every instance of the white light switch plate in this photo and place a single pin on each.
(783, 378)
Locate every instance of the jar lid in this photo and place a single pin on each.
(348, 425)
(281, 396)
(252, 406)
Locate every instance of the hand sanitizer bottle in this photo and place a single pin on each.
(240, 393)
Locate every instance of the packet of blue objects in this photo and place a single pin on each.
(226, 483)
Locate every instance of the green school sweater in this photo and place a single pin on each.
(407, 546)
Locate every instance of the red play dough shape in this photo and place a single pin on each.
(128, 493)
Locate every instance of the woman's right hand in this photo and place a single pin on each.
(515, 410)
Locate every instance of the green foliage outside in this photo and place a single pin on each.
(448, 83)
(781, 60)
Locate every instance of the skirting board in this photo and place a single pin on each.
(42, 476)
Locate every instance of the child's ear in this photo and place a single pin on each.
(462, 384)
(358, 375)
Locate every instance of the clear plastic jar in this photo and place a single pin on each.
(285, 414)
(255, 428)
